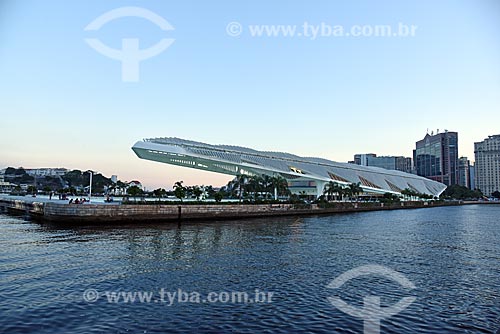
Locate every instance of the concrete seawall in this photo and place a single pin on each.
(96, 213)
(21, 207)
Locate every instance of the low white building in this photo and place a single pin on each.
(39, 172)
(134, 183)
(6, 187)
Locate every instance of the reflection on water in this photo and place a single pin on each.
(452, 255)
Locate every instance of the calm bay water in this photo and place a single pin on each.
(451, 255)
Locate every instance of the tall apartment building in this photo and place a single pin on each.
(487, 166)
(464, 172)
(436, 157)
(472, 172)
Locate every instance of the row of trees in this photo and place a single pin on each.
(181, 192)
(257, 187)
(336, 191)
(460, 192)
(243, 187)
(410, 194)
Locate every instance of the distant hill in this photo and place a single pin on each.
(75, 179)
(17, 176)
(78, 179)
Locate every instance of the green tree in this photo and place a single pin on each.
(333, 189)
(390, 198)
(71, 190)
(408, 193)
(159, 193)
(266, 185)
(209, 190)
(121, 187)
(218, 196)
(31, 190)
(179, 190)
(17, 190)
(134, 191)
(280, 185)
(355, 189)
(254, 185)
(460, 192)
(240, 182)
(197, 192)
(496, 194)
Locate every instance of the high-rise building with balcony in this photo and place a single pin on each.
(487, 165)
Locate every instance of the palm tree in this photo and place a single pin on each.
(254, 185)
(31, 190)
(179, 190)
(121, 186)
(328, 190)
(409, 193)
(134, 191)
(159, 193)
(355, 189)
(280, 186)
(240, 182)
(209, 190)
(267, 185)
(302, 194)
(218, 196)
(333, 189)
(197, 192)
(339, 191)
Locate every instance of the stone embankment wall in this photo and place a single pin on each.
(19, 206)
(154, 212)
(95, 213)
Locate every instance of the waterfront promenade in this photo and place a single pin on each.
(60, 211)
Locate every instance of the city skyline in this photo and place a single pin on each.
(64, 104)
(221, 176)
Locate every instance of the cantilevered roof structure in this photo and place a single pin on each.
(302, 173)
